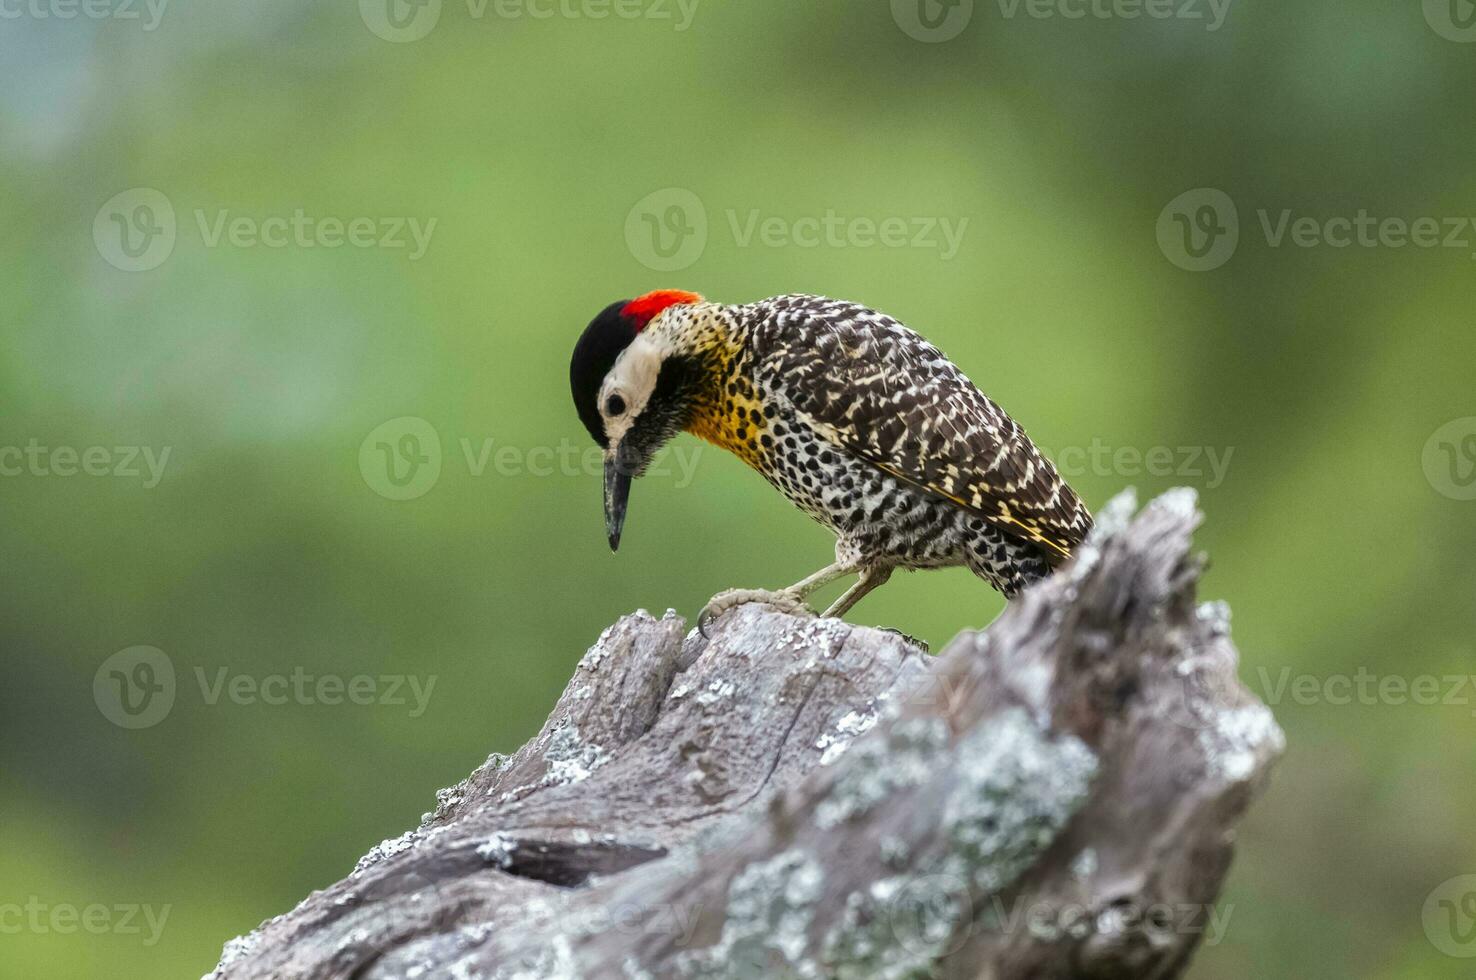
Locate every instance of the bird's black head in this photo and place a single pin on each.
(631, 391)
(601, 343)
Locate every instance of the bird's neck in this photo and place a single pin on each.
(724, 405)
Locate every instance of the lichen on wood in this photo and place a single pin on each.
(809, 799)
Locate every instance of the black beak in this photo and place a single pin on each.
(618, 472)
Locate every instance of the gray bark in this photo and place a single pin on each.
(1055, 796)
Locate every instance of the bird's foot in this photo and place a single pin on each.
(920, 644)
(783, 600)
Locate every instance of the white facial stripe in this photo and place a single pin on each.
(633, 378)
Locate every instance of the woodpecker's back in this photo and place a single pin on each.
(869, 428)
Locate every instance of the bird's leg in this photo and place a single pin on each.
(790, 600)
(808, 586)
(871, 577)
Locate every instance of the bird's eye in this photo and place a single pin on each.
(614, 406)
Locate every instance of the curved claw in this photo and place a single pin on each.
(920, 644)
(733, 598)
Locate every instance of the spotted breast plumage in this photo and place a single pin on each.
(858, 420)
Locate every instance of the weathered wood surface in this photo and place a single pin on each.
(1053, 797)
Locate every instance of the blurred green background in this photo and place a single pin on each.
(1330, 382)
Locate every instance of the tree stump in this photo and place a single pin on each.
(1054, 796)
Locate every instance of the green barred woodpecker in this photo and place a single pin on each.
(859, 421)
